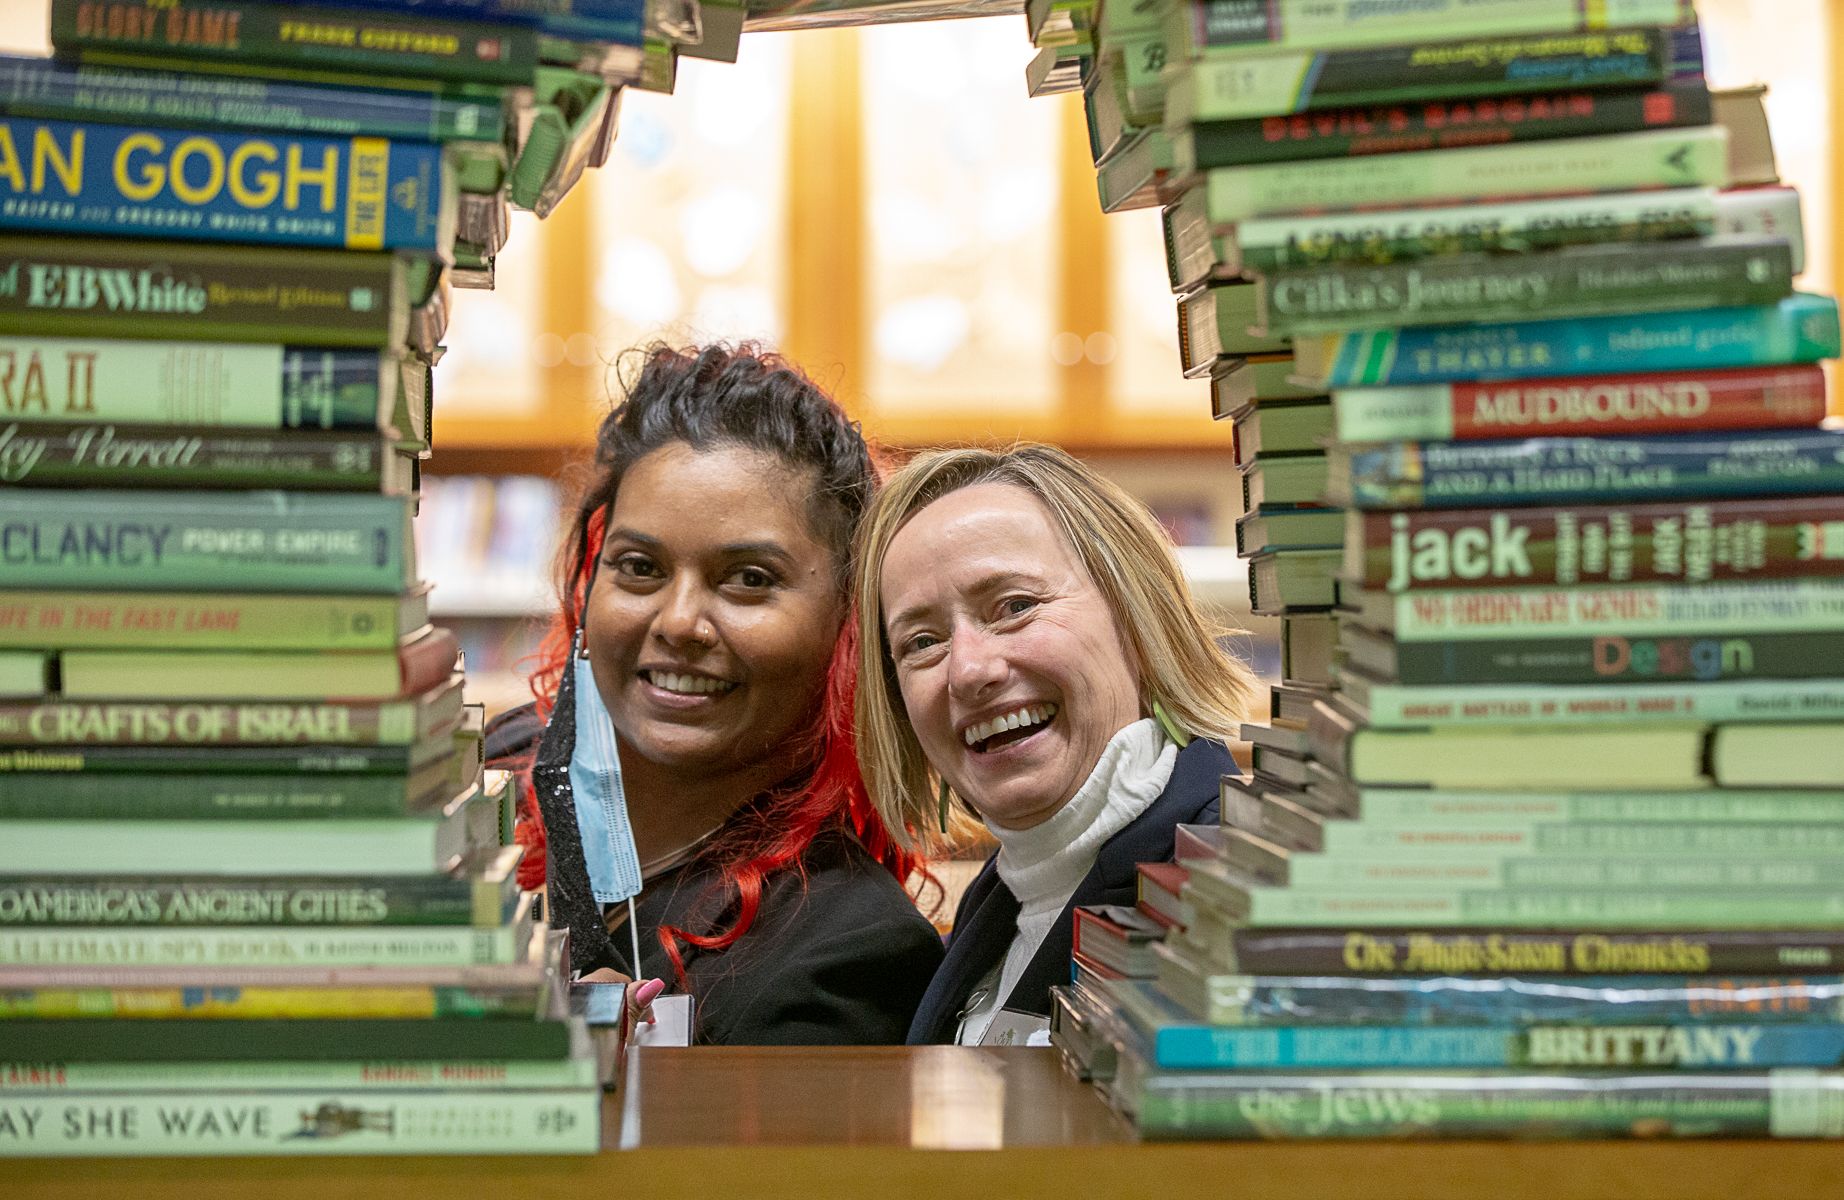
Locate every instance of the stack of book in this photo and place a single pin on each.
(1544, 825)
(256, 891)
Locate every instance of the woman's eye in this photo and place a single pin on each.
(920, 642)
(753, 578)
(637, 566)
(1017, 606)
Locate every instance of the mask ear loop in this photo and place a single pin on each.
(582, 652)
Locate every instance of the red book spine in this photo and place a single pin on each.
(1787, 397)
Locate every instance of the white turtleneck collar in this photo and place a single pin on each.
(1044, 863)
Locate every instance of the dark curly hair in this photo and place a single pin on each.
(742, 396)
(737, 396)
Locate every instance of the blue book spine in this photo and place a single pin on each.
(46, 87)
(152, 181)
(1597, 470)
(1626, 999)
(619, 21)
(1802, 328)
(1620, 1047)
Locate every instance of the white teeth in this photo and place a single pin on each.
(1035, 714)
(688, 685)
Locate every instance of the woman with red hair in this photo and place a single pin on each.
(704, 645)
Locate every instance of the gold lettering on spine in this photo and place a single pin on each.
(46, 152)
(214, 161)
(153, 175)
(9, 161)
(267, 182)
(296, 174)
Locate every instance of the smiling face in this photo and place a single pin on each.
(714, 610)
(1011, 667)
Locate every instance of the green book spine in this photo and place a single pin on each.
(102, 454)
(1621, 162)
(1791, 1103)
(45, 724)
(1226, 28)
(194, 383)
(488, 900)
(355, 946)
(345, 849)
(1328, 871)
(206, 620)
(461, 1075)
(1281, 243)
(1542, 908)
(1395, 705)
(107, 1041)
(1644, 610)
(1585, 282)
(110, 287)
(23, 673)
(1439, 841)
(1497, 811)
(312, 1123)
(1215, 322)
(1583, 658)
(1143, 58)
(249, 760)
(85, 796)
(360, 42)
(200, 1001)
(1304, 81)
(1429, 125)
(233, 541)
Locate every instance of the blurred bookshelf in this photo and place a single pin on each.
(490, 542)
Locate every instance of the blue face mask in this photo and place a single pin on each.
(595, 785)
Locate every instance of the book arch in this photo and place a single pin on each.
(1541, 832)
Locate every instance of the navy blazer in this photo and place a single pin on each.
(987, 919)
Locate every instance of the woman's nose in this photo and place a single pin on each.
(684, 619)
(974, 662)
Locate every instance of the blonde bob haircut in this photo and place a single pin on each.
(1202, 688)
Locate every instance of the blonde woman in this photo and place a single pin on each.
(1032, 650)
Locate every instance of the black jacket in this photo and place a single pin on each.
(840, 957)
(987, 919)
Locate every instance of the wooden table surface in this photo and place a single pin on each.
(934, 1123)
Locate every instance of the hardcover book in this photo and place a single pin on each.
(1803, 328)
(1578, 282)
(1585, 470)
(92, 287)
(1660, 158)
(103, 454)
(182, 723)
(291, 189)
(1586, 658)
(1684, 401)
(248, 541)
(1693, 541)
(1423, 123)
(1445, 69)
(1230, 28)
(86, 380)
